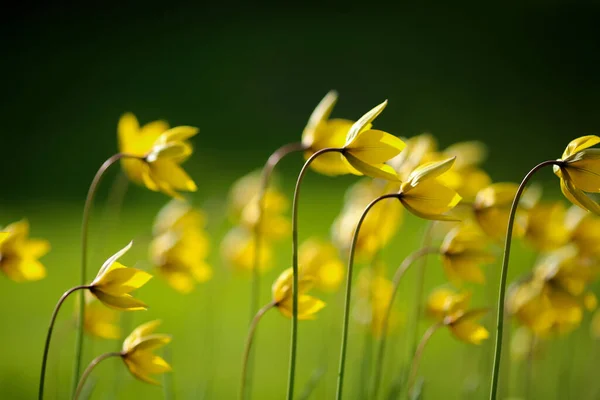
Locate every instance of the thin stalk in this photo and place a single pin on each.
(503, 276)
(49, 336)
(87, 209)
(249, 340)
(294, 335)
(265, 178)
(89, 370)
(419, 354)
(344, 345)
(406, 263)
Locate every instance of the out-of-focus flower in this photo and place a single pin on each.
(579, 172)
(464, 326)
(492, 208)
(19, 255)
(545, 229)
(238, 247)
(445, 301)
(321, 132)
(380, 224)
(100, 321)
(417, 151)
(308, 305)
(523, 344)
(137, 352)
(160, 152)
(114, 283)
(321, 261)
(180, 246)
(425, 196)
(584, 228)
(463, 252)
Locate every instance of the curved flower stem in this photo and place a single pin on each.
(49, 336)
(265, 178)
(249, 339)
(87, 209)
(419, 353)
(89, 370)
(342, 365)
(294, 335)
(406, 263)
(503, 274)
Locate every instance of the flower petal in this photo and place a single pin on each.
(430, 197)
(122, 280)
(375, 147)
(166, 173)
(113, 258)
(579, 144)
(320, 114)
(124, 302)
(382, 171)
(365, 120)
(425, 172)
(577, 196)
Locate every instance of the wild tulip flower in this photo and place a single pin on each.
(579, 172)
(418, 151)
(463, 252)
(374, 293)
(238, 250)
(320, 260)
(492, 209)
(100, 321)
(157, 153)
(178, 215)
(308, 305)
(19, 255)
(545, 229)
(445, 301)
(584, 231)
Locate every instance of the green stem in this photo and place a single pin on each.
(89, 370)
(244, 390)
(406, 263)
(49, 336)
(87, 209)
(294, 335)
(419, 354)
(503, 276)
(342, 365)
(168, 385)
(265, 178)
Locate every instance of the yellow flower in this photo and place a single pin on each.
(579, 172)
(321, 261)
(492, 208)
(584, 229)
(308, 305)
(463, 252)
(138, 356)
(100, 321)
(545, 229)
(115, 281)
(321, 132)
(444, 301)
(160, 151)
(178, 215)
(426, 197)
(379, 226)
(523, 344)
(464, 326)
(19, 254)
(373, 296)
(417, 151)
(237, 249)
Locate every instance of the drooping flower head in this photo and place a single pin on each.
(545, 229)
(238, 251)
(320, 260)
(492, 209)
(137, 352)
(463, 252)
(584, 231)
(114, 283)
(308, 305)
(444, 301)
(579, 172)
(159, 151)
(19, 255)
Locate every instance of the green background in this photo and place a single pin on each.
(522, 79)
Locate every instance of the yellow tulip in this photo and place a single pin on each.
(308, 305)
(19, 254)
(137, 352)
(464, 326)
(178, 215)
(159, 151)
(579, 172)
(584, 229)
(321, 261)
(492, 208)
(426, 197)
(545, 229)
(321, 132)
(237, 250)
(115, 281)
(445, 301)
(418, 150)
(463, 252)
(100, 321)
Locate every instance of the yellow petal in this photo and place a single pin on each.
(144, 329)
(363, 122)
(461, 268)
(35, 248)
(22, 270)
(127, 129)
(178, 280)
(175, 151)
(469, 331)
(308, 306)
(585, 171)
(149, 363)
(138, 372)
(123, 302)
(320, 114)
(3, 237)
(579, 144)
(122, 280)
(427, 171)
(375, 147)
(467, 154)
(167, 174)
(430, 198)
(578, 197)
(177, 134)
(382, 171)
(151, 342)
(107, 264)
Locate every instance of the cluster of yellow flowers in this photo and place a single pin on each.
(469, 216)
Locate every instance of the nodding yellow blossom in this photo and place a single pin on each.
(180, 246)
(100, 321)
(445, 301)
(19, 255)
(492, 208)
(321, 132)
(546, 229)
(425, 196)
(137, 352)
(115, 281)
(464, 251)
(373, 295)
(464, 326)
(579, 172)
(321, 261)
(584, 230)
(308, 305)
(237, 250)
(417, 151)
(379, 226)
(367, 150)
(160, 150)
